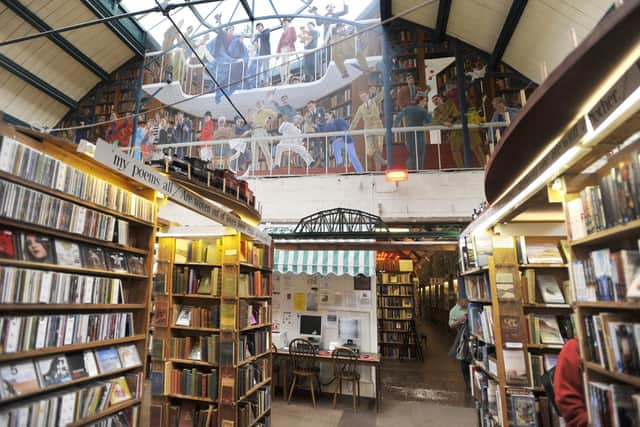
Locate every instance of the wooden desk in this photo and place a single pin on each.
(365, 359)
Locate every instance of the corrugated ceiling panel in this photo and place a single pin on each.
(28, 103)
(478, 22)
(44, 59)
(426, 15)
(544, 33)
(98, 42)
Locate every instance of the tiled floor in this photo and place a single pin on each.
(429, 393)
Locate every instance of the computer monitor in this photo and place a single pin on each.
(311, 327)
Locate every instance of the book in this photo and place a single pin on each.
(18, 379)
(117, 261)
(36, 248)
(108, 359)
(129, 355)
(123, 233)
(524, 410)
(204, 287)
(7, 244)
(135, 264)
(90, 363)
(549, 289)
(181, 252)
(160, 314)
(159, 283)
(186, 415)
(157, 348)
(68, 253)
(157, 382)
(93, 257)
(515, 367)
(76, 365)
(214, 253)
(505, 285)
(53, 370)
(120, 391)
(511, 331)
(548, 329)
(184, 317)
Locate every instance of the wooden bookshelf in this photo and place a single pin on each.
(128, 297)
(237, 274)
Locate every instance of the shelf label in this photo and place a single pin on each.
(615, 96)
(111, 157)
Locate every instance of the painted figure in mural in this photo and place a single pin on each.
(206, 134)
(310, 38)
(296, 145)
(284, 108)
(415, 114)
(221, 151)
(340, 142)
(286, 45)
(312, 118)
(119, 130)
(343, 48)
(407, 93)
(262, 120)
(183, 132)
(369, 113)
(262, 40)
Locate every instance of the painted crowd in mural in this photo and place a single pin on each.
(304, 92)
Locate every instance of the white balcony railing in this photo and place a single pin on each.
(435, 148)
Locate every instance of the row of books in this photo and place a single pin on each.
(33, 207)
(26, 286)
(398, 352)
(395, 313)
(185, 415)
(480, 318)
(70, 407)
(405, 62)
(340, 98)
(35, 166)
(203, 281)
(545, 288)
(198, 251)
(253, 343)
(254, 284)
(251, 410)
(477, 287)
(614, 405)
(126, 418)
(607, 275)
(34, 247)
(28, 333)
(254, 254)
(536, 252)
(201, 348)
(396, 302)
(192, 382)
(538, 365)
(252, 374)
(397, 338)
(486, 393)
(28, 376)
(197, 317)
(613, 341)
(390, 325)
(614, 201)
(550, 329)
(392, 278)
(253, 313)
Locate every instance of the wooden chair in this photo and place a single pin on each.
(344, 369)
(304, 364)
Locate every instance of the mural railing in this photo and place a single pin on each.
(179, 64)
(424, 148)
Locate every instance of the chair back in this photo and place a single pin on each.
(302, 355)
(344, 362)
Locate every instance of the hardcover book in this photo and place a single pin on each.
(18, 379)
(119, 391)
(524, 410)
(76, 365)
(117, 261)
(7, 244)
(160, 314)
(36, 248)
(515, 367)
(511, 331)
(68, 253)
(129, 355)
(135, 264)
(549, 289)
(53, 370)
(93, 257)
(108, 359)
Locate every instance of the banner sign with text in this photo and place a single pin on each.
(112, 157)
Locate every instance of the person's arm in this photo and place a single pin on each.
(568, 387)
(398, 119)
(345, 10)
(356, 119)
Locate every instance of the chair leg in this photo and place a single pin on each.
(313, 391)
(353, 394)
(335, 393)
(293, 384)
(358, 401)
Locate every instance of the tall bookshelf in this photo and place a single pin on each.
(75, 279)
(227, 281)
(397, 333)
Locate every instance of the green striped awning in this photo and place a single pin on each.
(325, 262)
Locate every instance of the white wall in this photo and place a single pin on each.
(425, 196)
(342, 301)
